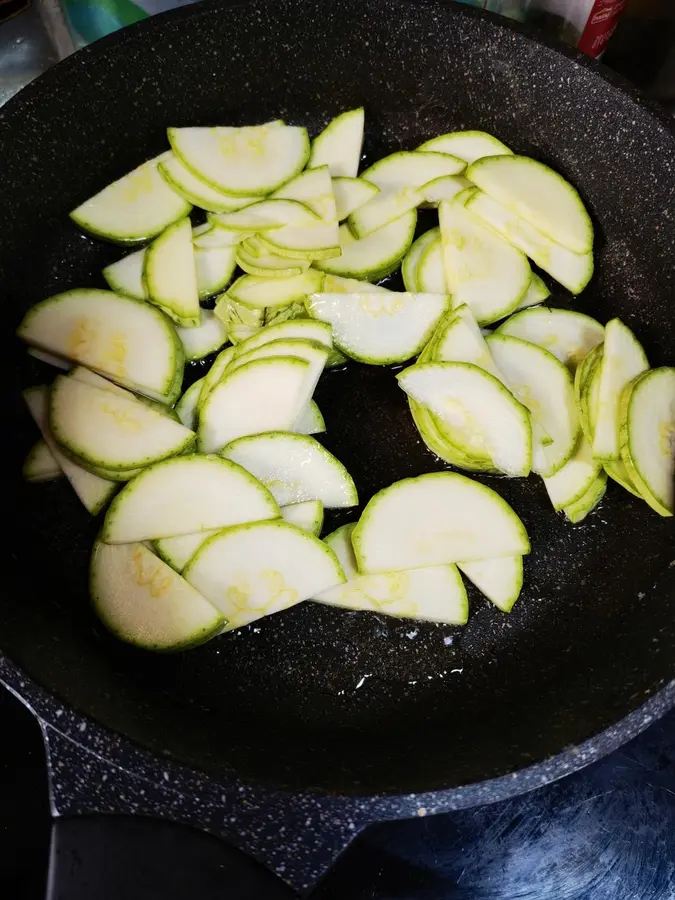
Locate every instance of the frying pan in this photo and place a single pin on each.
(322, 719)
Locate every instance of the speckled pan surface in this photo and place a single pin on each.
(314, 698)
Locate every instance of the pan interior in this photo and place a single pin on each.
(316, 697)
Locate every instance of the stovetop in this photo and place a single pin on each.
(605, 833)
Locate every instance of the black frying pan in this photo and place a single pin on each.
(315, 699)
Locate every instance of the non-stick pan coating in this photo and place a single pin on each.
(315, 696)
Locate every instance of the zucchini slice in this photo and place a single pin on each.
(178, 551)
(459, 339)
(129, 342)
(253, 160)
(648, 436)
(500, 580)
(537, 194)
(350, 194)
(572, 270)
(186, 495)
(447, 187)
(411, 261)
(569, 336)
(308, 516)
(170, 274)
(295, 467)
(263, 395)
(339, 145)
(305, 329)
(266, 215)
(126, 276)
(578, 511)
(467, 145)
(250, 571)
(40, 464)
(311, 420)
(575, 478)
(623, 359)
(143, 602)
(375, 256)
(215, 373)
(440, 445)
(269, 265)
(314, 189)
(207, 337)
(482, 269)
(536, 293)
(264, 293)
(108, 430)
(50, 359)
(434, 594)
(335, 284)
(214, 265)
(384, 208)
(315, 242)
(411, 169)
(379, 328)
(434, 520)
(431, 269)
(475, 410)
(93, 492)
(198, 192)
(545, 387)
(186, 408)
(135, 208)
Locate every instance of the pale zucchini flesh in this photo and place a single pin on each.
(266, 215)
(578, 511)
(135, 208)
(214, 266)
(536, 293)
(373, 256)
(305, 329)
(265, 293)
(434, 594)
(263, 395)
(253, 160)
(339, 145)
(170, 274)
(411, 169)
(575, 478)
(313, 188)
(466, 145)
(431, 269)
(310, 421)
(384, 208)
(435, 519)
(126, 276)
(477, 411)
(438, 443)
(186, 495)
(144, 602)
(198, 192)
(500, 580)
(379, 328)
(307, 515)
(208, 337)
(410, 265)
(447, 187)
(295, 468)
(130, 342)
(458, 339)
(539, 195)
(255, 570)
(350, 194)
(569, 336)
(178, 551)
(40, 464)
(482, 269)
(186, 408)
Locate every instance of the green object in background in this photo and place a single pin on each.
(91, 19)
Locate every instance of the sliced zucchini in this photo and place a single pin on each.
(439, 444)
(431, 269)
(241, 333)
(215, 373)
(126, 276)
(143, 602)
(198, 192)
(207, 337)
(186, 408)
(569, 336)
(482, 269)
(586, 385)
(410, 169)
(253, 160)
(314, 188)
(374, 256)
(311, 420)
(178, 551)
(50, 359)
(648, 436)
(379, 328)
(295, 468)
(315, 242)
(544, 386)
(186, 495)
(250, 571)
(296, 328)
(81, 373)
(214, 265)
(575, 478)
(266, 215)
(211, 237)
(435, 594)
(459, 339)
(263, 293)
(269, 265)
(132, 343)
(111, 431)
(350, 194)
(572, 270)
(500, 580)
(623, 360)
(278, 314)
(170, 274)
(476, 411)
(40, 464)
(263, 395)
(536, 293)
(411, 261)
(537, 194)
(618, 472)
(467, 145)
(135, 208)
(447, 187)
(384, 208)
(308, 516)
(231, 313)
(578, 511)
(335, 284)
(434, 520)
(339, 145)
(93, 492)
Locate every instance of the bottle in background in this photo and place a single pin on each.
(586, 24)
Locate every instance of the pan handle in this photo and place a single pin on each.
(298, 837)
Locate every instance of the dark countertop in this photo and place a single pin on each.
(606, 833)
